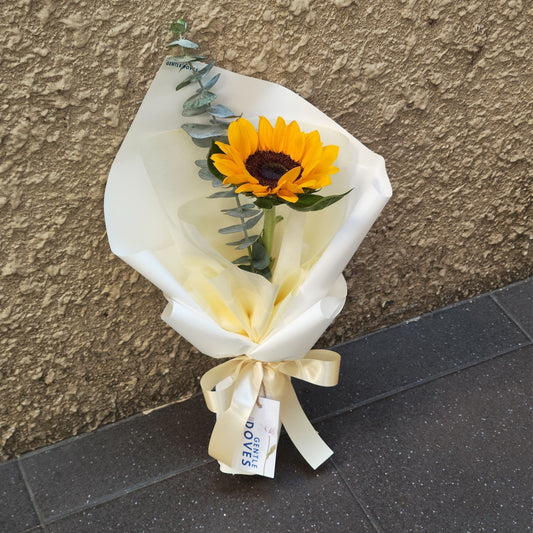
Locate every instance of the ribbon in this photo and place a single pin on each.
(234, 403)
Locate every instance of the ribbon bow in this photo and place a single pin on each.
(234, 403)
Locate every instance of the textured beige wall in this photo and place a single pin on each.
(439, 87)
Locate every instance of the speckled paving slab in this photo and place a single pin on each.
(299, 500)
(96, 467)
(417, 441)
(517, 302)
(16, 509)
(450, 455)
(413, 352)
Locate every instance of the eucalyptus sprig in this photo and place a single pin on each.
(257, 258)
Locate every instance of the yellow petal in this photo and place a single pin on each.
(292, 141)
(312, 151)
(253, 188)
(288, 196)
(237, 179)
(290, 176)
(243, 137)
(228, 167)
(266, 132)
(279, 135)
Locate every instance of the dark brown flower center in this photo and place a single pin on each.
(268, 167)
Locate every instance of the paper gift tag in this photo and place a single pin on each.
(257, 451)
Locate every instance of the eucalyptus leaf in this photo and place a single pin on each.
(223, 194)
(211, 82)
(178, 27)
(195, 111)
(202, 72)
(185, 43)
(198, 100)
(251, 222)
(221, 111)
(203, 131)
(244, 243)
(266, 273)
(205, 174)
(202, 143)
(202, 163)
(243, 260)
(188, 58)
(315, 202)
(260, 257)
(243, 206)
(196, 76)
(232, 229)
(240, 212)
(184, 83)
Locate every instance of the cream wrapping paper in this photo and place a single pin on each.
(160, 222)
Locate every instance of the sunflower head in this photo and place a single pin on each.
(279, 161)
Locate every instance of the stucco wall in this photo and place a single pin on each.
(439, 88)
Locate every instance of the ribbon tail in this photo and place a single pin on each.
(228, 431)
(300, 430)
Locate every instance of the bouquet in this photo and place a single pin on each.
(245, 219)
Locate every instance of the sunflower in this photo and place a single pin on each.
(278, 160)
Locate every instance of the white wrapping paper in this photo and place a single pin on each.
(160, 222)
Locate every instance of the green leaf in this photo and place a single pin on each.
(202, 143)
(198, 100)
(223, 194)
(188, 58)
(178, 27)
(251, 222)
(221, 111)
(232, 229)
(244, 243)
(278, 219)
(184, 83)
(204, 131)
(266, 273)
(185, 43)
(210, 165)
(268, 202)
(260, 257)
(241, 212)
(206, 175)
(243, 260)
(211, 82)
(196, 76)
(315, 202)
(195, 111)
(202, 72)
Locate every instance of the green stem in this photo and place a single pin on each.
(268, 229)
